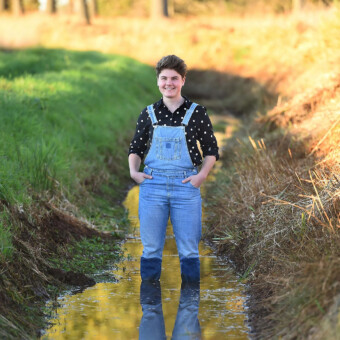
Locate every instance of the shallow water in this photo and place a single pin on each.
(215, 310)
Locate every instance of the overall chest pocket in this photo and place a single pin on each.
(168, 149)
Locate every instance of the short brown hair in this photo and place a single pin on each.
(172, 62)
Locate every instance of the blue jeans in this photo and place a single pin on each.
(160, 197)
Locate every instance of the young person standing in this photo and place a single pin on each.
(167, 133)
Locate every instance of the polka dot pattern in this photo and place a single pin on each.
(198, 129)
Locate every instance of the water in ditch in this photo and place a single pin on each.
(128, 310)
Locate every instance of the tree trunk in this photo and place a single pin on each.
(18, 7)
(159, 8)
(51, 6)
(3, 5)
(84, 12)
(297, 5)
(93, 8)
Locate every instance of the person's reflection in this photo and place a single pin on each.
(187, 325)
(152, 324)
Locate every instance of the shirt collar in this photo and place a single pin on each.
(187, 103)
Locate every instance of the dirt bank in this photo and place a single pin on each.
(29, 277)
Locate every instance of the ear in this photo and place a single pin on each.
(183, 80)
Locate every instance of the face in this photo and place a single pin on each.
(170, 84)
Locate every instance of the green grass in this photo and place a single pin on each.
(88, 256)
(6, 247)
(66, 118)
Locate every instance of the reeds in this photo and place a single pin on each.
(279, 217)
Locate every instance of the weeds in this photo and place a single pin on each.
(284, 212)
(88, 255)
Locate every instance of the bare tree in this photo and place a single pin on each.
(18, 7)
(159, 8)
(84, 12)
(51, 6)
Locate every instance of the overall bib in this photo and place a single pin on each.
(169, 162)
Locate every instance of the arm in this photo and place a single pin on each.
(134, 165)
(197, 180)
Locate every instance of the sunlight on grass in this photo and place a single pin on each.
(59, 121)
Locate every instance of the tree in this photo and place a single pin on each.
(159, 8)
(84, 12)
(3, 5)
(18, 7)
(51, 6)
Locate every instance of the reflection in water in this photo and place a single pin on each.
(152, 325)
(114, 310)
(187, 325)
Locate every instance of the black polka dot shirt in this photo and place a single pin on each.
(198, 129)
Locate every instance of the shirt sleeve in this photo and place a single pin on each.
(139, 142)
(206, 135)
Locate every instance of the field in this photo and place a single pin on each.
(276, 198)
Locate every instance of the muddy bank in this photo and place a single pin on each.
(30, 276)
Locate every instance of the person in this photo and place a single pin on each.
(167, 132)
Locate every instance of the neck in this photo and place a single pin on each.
(173, 103)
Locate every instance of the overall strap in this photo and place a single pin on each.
(189, 113)
(152, 115)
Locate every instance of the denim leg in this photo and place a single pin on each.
(150, 269)
(190, 269)
(153, 216)
(186, 212)
(186, 215)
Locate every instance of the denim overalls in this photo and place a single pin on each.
(169, 162)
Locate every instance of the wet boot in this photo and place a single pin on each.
(150, 269)
(190, 269)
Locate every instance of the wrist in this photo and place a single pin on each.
(203, 175)
(133, 173)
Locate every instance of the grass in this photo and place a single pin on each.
(88, 256)
(276, 198)
(66, 118)
(286, 216)
(6, 246)
(63, 115)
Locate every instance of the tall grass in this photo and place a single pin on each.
(277, 216)
(65, 120)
